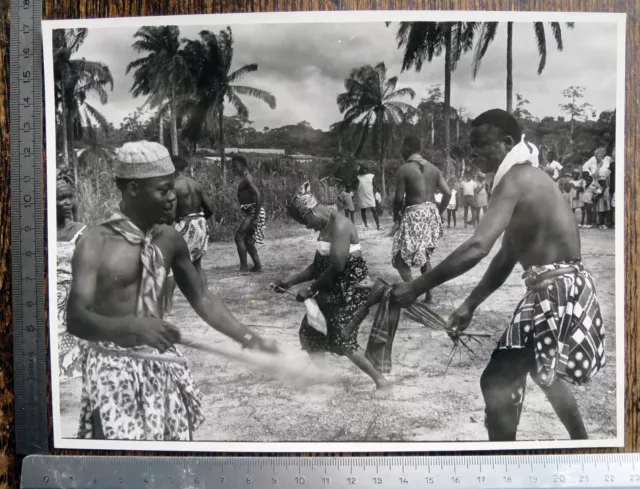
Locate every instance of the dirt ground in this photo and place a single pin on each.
(242, 405)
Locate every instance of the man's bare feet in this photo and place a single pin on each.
(243, 269)
(256, 269)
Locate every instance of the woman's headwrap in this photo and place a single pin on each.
(63, 178)
(303, 202)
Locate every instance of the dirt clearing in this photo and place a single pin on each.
(241, 405)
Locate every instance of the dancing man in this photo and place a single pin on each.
(251, 230)
(136, 384)
(192, 210)
(556, 331)
(414, 208)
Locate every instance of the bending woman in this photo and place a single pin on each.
(337, 267)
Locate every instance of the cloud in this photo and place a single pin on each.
(304, 66)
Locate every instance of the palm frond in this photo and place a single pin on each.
(541, 41)
(238, 104)
(557, 34)
(241, 72)
(402, 92)
(487, 35)
(257, 93)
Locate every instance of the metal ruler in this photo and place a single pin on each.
(27, 228)
(491, 472)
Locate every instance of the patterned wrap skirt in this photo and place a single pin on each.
(256, 235)
(416, 238)
(338, 305)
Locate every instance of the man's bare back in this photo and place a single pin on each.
(420, 185)
(542, 229)
(190, 197)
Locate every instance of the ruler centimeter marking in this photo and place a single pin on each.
(27, 228)
(521, 472)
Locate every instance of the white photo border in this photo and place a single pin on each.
(48, 26)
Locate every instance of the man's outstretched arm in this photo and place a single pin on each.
(207, 305)
(472, 251)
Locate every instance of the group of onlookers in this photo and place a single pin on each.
(591, 189)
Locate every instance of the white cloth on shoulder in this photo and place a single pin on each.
(523, 152)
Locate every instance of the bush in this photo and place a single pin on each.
(277, 178)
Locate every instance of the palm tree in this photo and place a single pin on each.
(210, 59)
(161, 74)
(425, 41)
(75, 80)
(488, 34)
(370, 102)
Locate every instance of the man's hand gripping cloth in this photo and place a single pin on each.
(419, 231)
(127, 398)
(256, 235)
(193, 228)
(559, 317)
(523, 152)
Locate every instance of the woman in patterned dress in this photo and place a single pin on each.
(69, 346)
(338, 266)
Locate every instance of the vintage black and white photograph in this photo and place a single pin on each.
(364, 231)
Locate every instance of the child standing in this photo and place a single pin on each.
(452, 208)
(345, 199)
(587, 202)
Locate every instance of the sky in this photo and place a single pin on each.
(305, 65)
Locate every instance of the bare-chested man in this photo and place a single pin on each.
(251, 230)
(556, 331)
(415, 210)
(192, 210)
(119, 269)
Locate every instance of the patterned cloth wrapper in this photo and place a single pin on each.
(193, 228)
(338, 306)
(127, 398)
(419, 231)
(256, 234)
(383, 332)
(560, 319)
(69, 346)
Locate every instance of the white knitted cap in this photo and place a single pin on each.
(143, 159)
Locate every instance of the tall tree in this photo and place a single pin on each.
(162, 74)
(488, 34)
(210, 58)
(371, 103)
(574, 108)
(427, 40)
(75, 80)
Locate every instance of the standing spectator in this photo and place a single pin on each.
(452, 208)
(603, 199)
(481, 199)
(378, 197)
(468, 188)
(365, 198)
(577, 188)
(612, 187)
(587, 201)
(345, 203)
(555, 166)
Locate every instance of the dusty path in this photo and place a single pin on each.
(243, 406)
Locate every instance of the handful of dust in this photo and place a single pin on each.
(292, 369)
